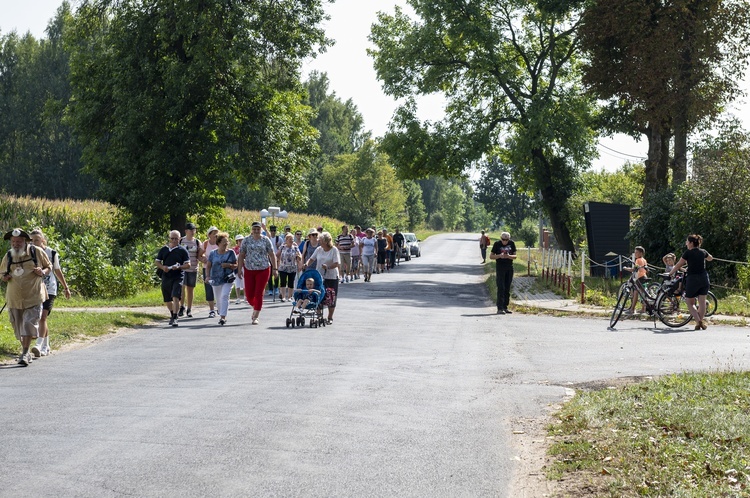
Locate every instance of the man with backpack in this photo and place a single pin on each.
(24, 268)
(484, 243)
(54, 281)
(195, 251)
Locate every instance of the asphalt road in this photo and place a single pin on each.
(415, 390)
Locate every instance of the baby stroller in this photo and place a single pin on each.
(314, 309)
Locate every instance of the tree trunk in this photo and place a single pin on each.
(178, 222)
(654, 158)
(553, 200)
(679, 164)
(662, 172)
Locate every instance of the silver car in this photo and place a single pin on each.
(411, 242)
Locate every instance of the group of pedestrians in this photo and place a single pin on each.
(33, 275)
(266, 261)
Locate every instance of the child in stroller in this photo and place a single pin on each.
(308, 300)
(309, 297)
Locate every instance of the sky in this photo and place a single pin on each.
(350, 70)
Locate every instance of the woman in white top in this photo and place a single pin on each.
(369, 246)
(327, 261)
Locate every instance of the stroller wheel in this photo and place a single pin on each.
(301, 321)
(288, 323)
(292, 323)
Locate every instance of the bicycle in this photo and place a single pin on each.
(712, 304)
(671, 309)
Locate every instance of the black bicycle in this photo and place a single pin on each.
(664, 304)
(677, 285)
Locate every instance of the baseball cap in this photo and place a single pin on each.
(312, 231)
(190, 226)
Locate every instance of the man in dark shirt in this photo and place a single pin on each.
(398, 243)
(503, 252)
(172, 260)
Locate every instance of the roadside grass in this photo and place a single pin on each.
(149, 297)
(73, 327)
(684, 435)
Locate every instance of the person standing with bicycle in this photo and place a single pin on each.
(640, 265)
(696, 281)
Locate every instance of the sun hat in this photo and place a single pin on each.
(239, 236)
(16, 232)
(212, 229)
(312, 231)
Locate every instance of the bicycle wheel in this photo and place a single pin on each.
(623, 302)
(672, 310)
(652, 289)
(711, 304)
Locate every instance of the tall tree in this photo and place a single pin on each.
(362, 188)
(509, 71)
(415, 210)
(38, 154)
(665, 68)
(502, 196)
(176, 100)
(341, 131)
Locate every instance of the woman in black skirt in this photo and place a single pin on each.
(696, 281)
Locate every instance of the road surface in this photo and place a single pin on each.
(415, 390)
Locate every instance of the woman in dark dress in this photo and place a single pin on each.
(696, 281)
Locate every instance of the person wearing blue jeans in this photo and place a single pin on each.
(503, 253)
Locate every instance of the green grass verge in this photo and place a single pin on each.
(684, 435)
(151, 297)
(66, 327)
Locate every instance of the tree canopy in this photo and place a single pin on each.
(508, 69)
(501, 195)
(362, 188)
(174, 101)
(665, 68)
(39, 155)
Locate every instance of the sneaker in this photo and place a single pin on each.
(507, 311)
(189, 313)
(22, 360)
(36, 351)
(500, 312)
(212, 314)
(171, 321)
(237, 301)
(181, 312)
(222, 321)
(174, 323)
(46, 351)
(255, 321)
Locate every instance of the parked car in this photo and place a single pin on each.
(411, 243)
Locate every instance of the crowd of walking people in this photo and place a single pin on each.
(255, 263)
(265, 264)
